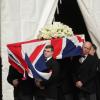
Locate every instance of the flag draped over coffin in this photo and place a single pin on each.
(28, 56)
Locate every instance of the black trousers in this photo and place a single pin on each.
(69, 96)
(22, 96)
(86, 96)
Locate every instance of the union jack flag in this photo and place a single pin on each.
(28, 56)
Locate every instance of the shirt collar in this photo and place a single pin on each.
(49, 58)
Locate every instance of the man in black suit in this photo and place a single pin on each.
(85, 74)
(48, 89)
(23, 89)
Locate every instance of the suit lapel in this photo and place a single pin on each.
(49, 62)
(83, 65)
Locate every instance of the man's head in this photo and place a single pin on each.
(48, 51)
(93, 49)
(87, 47)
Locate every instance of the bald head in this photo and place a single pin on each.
(87, 47)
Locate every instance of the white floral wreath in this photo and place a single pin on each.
(55, 30)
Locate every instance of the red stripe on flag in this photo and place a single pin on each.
(20, 43)
(16, 50)
(80, 38)
(14, 65)
(57, 44)
(36, 52)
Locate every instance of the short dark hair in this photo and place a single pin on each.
(94, 46)
(50, 46)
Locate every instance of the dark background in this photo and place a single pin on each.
(70, 14)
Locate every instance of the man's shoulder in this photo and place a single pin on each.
(94, 57)
(93, 60)
(54, 61)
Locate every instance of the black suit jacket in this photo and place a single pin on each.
(65, 77)
(86, 72)
(25, 86)
(51, 85)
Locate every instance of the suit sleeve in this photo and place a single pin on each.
(12, 74)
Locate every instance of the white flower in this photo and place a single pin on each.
(55, 30)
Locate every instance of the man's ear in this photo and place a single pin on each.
(52, 52)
